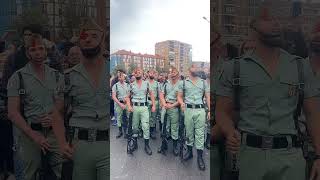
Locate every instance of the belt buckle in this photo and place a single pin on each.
(267, 142)
(193, 106)
(92, 134)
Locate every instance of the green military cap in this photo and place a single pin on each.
(90, 24)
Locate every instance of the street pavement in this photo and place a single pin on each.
(140, 166)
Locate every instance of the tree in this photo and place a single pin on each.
(132, 67)
(29, 16)
(118, 67)
(73, 12)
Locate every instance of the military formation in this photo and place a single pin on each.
(181, 106)
(59, 116)
(266, 102)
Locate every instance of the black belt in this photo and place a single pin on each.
(271, 142)
(38, 127)
(140, 104)
(149, 98)
(195, 106)
(90, 135)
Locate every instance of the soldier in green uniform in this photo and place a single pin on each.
(190, 96)
(168, 99)
(139, 91)
(265, 134)
(32, 93)
(86, 93)
(314, 57)
(218, 56)
(120, 92)
(155, 88)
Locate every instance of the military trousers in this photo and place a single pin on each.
(172, 126)
(94, 165)
(194, 121)
(153, 115)
(271, 164)
(120, 112)
(30, 154)
(141, 115)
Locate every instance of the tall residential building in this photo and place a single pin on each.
(232, 17)
(175, 53)
(8, 11)
(127, 58)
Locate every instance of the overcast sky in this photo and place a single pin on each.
(137, 25)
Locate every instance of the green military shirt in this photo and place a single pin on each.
(171, 90)
(194, 92)
(89, 104)
(139, 94)
(121, 90)
(267, 104)
(155, 88)
(216, 71)
(40, 95)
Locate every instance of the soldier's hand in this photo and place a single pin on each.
(153, 109)
(130, 109)
(123, 106)
(66, 150)
(164, 105)
(183, 106)
(46, 120)
(233, 141)
(315, 171)
(169, 106)
(40, 140)
(208, 116)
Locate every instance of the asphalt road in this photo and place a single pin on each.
(140, 166)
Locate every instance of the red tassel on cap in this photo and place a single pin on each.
(265, 13)
(83, 35)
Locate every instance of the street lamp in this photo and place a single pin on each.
(206, 19)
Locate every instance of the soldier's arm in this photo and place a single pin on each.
(162, 99)
(311, 105)
(224, 112)
(114, 95)
(152, 98)
(207, 94)
(180, 94)
(180, 98)
(224, 100)
(58, 124)
(14, 113)
(15, 116)
(312, 113)
(128, 101)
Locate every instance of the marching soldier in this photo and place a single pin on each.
(265, 89)
(32, 93)
(314, 57)
(86, 93)
(208, 123)
(190, 97)
(139, 91)
(168, 99)
(120, 92)
(155, 88)
(217, 146)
